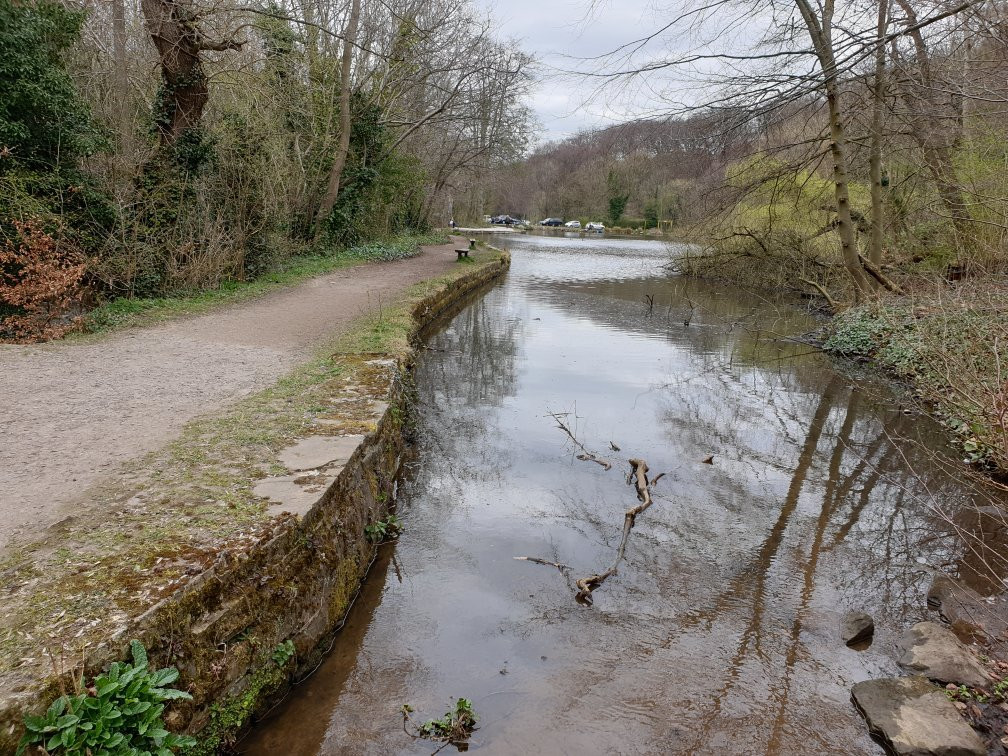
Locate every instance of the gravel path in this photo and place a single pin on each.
(71, 414)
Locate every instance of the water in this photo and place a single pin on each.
(719, 634)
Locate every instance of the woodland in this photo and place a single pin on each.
(162, 147)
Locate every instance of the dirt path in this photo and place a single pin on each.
(71, 414)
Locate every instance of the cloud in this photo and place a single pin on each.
(562, 34)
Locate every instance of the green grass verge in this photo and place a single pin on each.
(126, 312)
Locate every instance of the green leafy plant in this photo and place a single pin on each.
(283, 653)
(384, 530)
(964, 694)
(1000, 691)
(119, 713)
(454, 727)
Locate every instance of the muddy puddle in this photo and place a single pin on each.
(719, 634)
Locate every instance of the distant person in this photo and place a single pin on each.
(452, 223)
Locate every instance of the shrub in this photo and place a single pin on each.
(396, 248)
(120, 713)
(40, 284)
(43, 123)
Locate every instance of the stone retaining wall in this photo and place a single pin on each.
(226, 627)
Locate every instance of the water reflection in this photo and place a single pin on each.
(719, 633)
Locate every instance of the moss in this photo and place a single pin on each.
(189, 507)
(230, 717)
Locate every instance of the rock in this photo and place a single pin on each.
(971, 615)
(857, 628)
(935, 652)
(915, 719)
(315, 452)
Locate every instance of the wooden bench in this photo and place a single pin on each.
(465, 252)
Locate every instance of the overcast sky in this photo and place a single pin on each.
(552, 30)
(564, 34)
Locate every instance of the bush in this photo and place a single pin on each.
(43, 123)
(40, 285)
(120, 713)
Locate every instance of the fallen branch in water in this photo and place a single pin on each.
(537, 560)
(585, 455)
(638, 478)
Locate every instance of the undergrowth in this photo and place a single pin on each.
(120, 712)
(127, 312)
(952, 351)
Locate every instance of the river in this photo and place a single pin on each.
(719, 634)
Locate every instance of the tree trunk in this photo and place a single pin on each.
(182, 75)
(937, 136)
(121, 76)
(172, 27)
(875, 150)
(820, 33)
(339, 159)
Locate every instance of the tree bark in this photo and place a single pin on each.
(875, 149)
(820, 34)
(171, 24)
(343, 147)
(936, 137)
(121, 77)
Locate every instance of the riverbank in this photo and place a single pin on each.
(242, 536)
(945, 339)
(949, 343)
(944, 343)
(793, 491)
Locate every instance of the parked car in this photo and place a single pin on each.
(506, 220)
(551, 222)
(595, 227)
(572, 224)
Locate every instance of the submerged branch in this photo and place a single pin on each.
(537, 560)
(638, 478)
(586, 455)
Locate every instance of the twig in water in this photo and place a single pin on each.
(537, 560)
(585, 455)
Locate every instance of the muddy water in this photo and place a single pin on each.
(719, 633)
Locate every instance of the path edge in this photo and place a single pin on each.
(230, 629)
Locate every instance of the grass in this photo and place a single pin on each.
(127, 312)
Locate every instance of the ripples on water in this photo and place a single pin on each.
(719, 634)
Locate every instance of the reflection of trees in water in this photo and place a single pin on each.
(473, 361)
(865, 479)
(470, 365)
(753, 325)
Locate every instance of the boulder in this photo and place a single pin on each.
(934, 651)
(914, 718)
(971, 615)
(857, 628)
